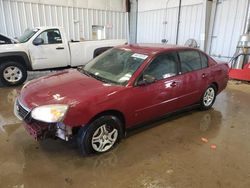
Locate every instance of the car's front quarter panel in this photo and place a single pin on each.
(81, 113)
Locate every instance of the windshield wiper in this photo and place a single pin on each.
(105, 80)
(99, 78)
(89, 74)
(82, 70)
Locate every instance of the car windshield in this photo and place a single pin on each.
(114, 66)
(28, 33)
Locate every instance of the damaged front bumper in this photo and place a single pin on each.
(40, 130)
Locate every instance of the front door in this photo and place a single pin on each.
(52, 53)
(158, 98)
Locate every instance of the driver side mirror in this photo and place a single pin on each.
(38, 41)
(146, 79)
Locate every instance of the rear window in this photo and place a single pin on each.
(204, 60)
(190, 61)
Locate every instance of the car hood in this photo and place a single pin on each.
(67, 87)
(12, 39)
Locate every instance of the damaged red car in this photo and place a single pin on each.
(120, 89)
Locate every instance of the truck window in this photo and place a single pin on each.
(51, 36)
(27, 35)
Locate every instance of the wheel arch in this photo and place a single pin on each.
(20, 57)
(113, 112)
(216, 86)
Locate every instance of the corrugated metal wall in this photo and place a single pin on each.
(16, 16)
(191, 23)
(155, 25)
(151, 27)
(228, 26)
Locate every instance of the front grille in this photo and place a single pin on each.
(21, 110)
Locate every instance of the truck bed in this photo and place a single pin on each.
(82, 52)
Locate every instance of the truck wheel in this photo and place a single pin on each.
(100, 136)
(12, 73)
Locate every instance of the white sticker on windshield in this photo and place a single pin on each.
(126, 77)
(140, 56)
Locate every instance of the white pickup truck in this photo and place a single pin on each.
(46, 48)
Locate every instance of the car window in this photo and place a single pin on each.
(51, 36)
(163, 66)
(204, 60)
(115, 66)
(190, 61)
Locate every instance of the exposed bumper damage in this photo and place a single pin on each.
(40, 130)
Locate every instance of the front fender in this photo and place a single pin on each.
(23, 55)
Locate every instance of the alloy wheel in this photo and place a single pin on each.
(104, 138)
(209, 96)
(12, 74)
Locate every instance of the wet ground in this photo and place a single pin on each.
(194, 149)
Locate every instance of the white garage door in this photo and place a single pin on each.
(157, 24)
(228, 26)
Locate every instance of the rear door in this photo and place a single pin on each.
(158, 98)
(194, 76)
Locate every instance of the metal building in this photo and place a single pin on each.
(77, 17)
(216, 26)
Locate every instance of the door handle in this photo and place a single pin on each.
(60, 48)
(173, 84)
(204, 75)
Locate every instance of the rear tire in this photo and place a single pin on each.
(12, 73)
(208, 98)
(100, 136)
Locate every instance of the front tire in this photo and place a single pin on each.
(208, 98)
(12, 73)
(100, 136)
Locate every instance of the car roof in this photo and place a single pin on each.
(152, 49)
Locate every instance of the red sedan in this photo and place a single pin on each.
(120, 89)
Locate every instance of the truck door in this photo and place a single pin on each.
(51, 52)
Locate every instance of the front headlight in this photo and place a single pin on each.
(49, 113)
